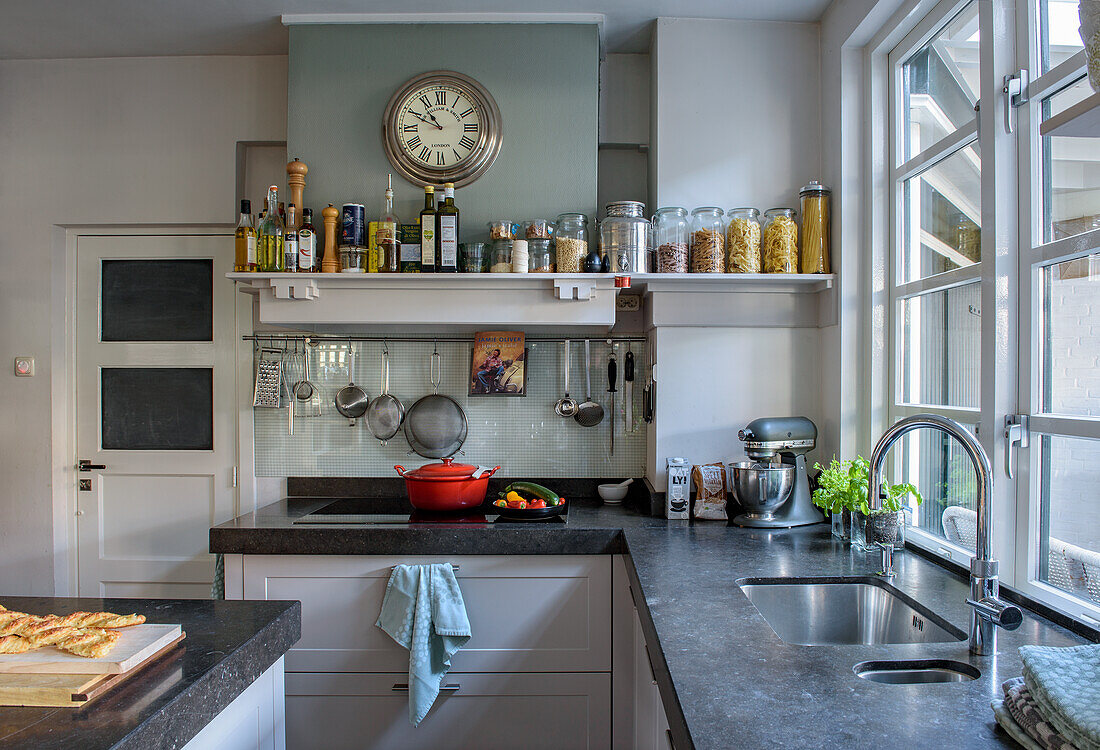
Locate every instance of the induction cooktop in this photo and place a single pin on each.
(388, 512)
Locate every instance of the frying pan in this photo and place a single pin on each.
(435, 425)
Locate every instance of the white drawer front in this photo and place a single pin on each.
(528, 614)
(487, 711)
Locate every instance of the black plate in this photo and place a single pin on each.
(528, 514)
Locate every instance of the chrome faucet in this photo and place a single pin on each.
(987, 610)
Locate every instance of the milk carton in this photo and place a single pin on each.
(678, 492)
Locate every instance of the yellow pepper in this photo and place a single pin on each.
(514, 497)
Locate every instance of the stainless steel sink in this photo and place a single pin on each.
(916, 671)
(844, 611)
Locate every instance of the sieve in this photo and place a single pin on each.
(351, 400)
(385, 413)
(435, 425)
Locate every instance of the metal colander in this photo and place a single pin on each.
(436, 425)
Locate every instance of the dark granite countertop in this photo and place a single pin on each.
(726, 679)
(228, 645)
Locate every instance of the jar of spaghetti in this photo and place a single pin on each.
(815, 228)
(779, 249)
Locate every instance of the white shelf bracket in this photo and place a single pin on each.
(292, 288)
(574, 289)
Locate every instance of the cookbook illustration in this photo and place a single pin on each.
(498, 366)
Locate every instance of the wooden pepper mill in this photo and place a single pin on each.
(330, 263)
(296, 172)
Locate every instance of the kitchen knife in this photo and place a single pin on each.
(612, 375)
(628, 389)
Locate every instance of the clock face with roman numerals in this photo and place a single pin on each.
(440, 127)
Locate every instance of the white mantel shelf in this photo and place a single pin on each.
(584, 300)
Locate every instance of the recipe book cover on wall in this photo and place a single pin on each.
(498, 364)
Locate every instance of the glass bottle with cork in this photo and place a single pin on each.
(307, 244)
(244, 239)
(447, 231)
(269, 243)
(386, 234)
(290, 241)
(427, 232)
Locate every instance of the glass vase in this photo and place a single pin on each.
(842, 525)
(884, 527)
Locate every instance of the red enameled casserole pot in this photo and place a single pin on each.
(446, 485)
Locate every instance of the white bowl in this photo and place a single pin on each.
(612, 493)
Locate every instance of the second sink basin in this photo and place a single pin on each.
(844, 611)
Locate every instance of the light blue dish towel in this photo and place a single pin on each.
(424, 612)
(1065, 683)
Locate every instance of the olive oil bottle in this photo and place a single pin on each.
(447, 231)
(244, 239)
(269, 245)
(427, 232)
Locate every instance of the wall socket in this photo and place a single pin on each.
(628, 303)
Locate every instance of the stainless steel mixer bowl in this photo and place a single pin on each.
(760, 489)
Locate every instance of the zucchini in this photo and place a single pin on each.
(551, 497)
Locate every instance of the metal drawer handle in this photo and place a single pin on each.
(454, 566)
(403, 687)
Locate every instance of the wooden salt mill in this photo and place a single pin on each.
(330, 263)
(296, 172)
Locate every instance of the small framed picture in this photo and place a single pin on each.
(498, 364)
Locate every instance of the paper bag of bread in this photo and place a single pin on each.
(710, 491)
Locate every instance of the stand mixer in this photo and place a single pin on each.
(773, 488)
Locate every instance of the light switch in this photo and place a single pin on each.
(24, 367)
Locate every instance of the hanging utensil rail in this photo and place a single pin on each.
(281, 338)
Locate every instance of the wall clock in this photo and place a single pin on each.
(442, 126)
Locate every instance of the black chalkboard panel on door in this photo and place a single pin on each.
(157, 300)
(157, 408)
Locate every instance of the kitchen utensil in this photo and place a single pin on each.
(760, 489)
(775, 443)
(566, 407)
(435, 425)
(628, 388)
(612, 375)
(446, 485)
(303, 387)
(294, 372)
(612, 494)
(589, 413)
(269, 379)
(529, 514)
(351, 400)
(385, 413)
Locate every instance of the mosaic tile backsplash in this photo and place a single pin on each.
(522, 434)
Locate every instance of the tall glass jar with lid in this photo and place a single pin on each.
(707, 241)
(780, 245)
(672, 237)
(743, 241)
(571, 241)
(624, 237)
(815, 228)
(501, 259)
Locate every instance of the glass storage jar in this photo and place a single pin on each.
(624, 237)
(539, 259)
(475, 257)
(707, 241)
(780, 246)
(502, 229)
(571, 241)
(743, 241)
(671, 235)
(502, 257)
(536, 229)
(353, 259)
(815, 228)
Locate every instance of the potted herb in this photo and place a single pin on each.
(841, 490)
(886, 524)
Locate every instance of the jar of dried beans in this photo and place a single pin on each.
(780, 246)
(743, 241)
(571, 241)
(671, 235)
(707, 241)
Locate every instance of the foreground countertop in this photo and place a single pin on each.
(228, 645)
(726, 679)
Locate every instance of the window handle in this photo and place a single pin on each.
(1015, 95)
(1016, 433)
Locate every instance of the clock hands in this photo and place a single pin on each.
(421, 118)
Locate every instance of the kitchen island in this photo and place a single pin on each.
(725, 678)
(222, 686)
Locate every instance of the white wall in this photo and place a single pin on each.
(99, 141)
(737, 118)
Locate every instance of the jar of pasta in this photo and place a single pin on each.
(571, 241)
(707, 241)
(780, 245)
(743, 241)
(671, 235)
(815, 228)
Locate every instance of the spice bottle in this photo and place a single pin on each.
(707, 241)
(815, 228)
(743, 241)
(671, 235)
(780, 246)
(571, 241)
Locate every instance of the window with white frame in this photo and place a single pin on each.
(935, 346)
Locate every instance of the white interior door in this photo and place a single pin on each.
(155, 411)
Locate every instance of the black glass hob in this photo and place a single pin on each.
(396, 511)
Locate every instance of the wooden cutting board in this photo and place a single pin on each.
(138, 643)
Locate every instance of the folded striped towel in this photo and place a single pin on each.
(1015, 731)
(1021, 706)
(1065, 684)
